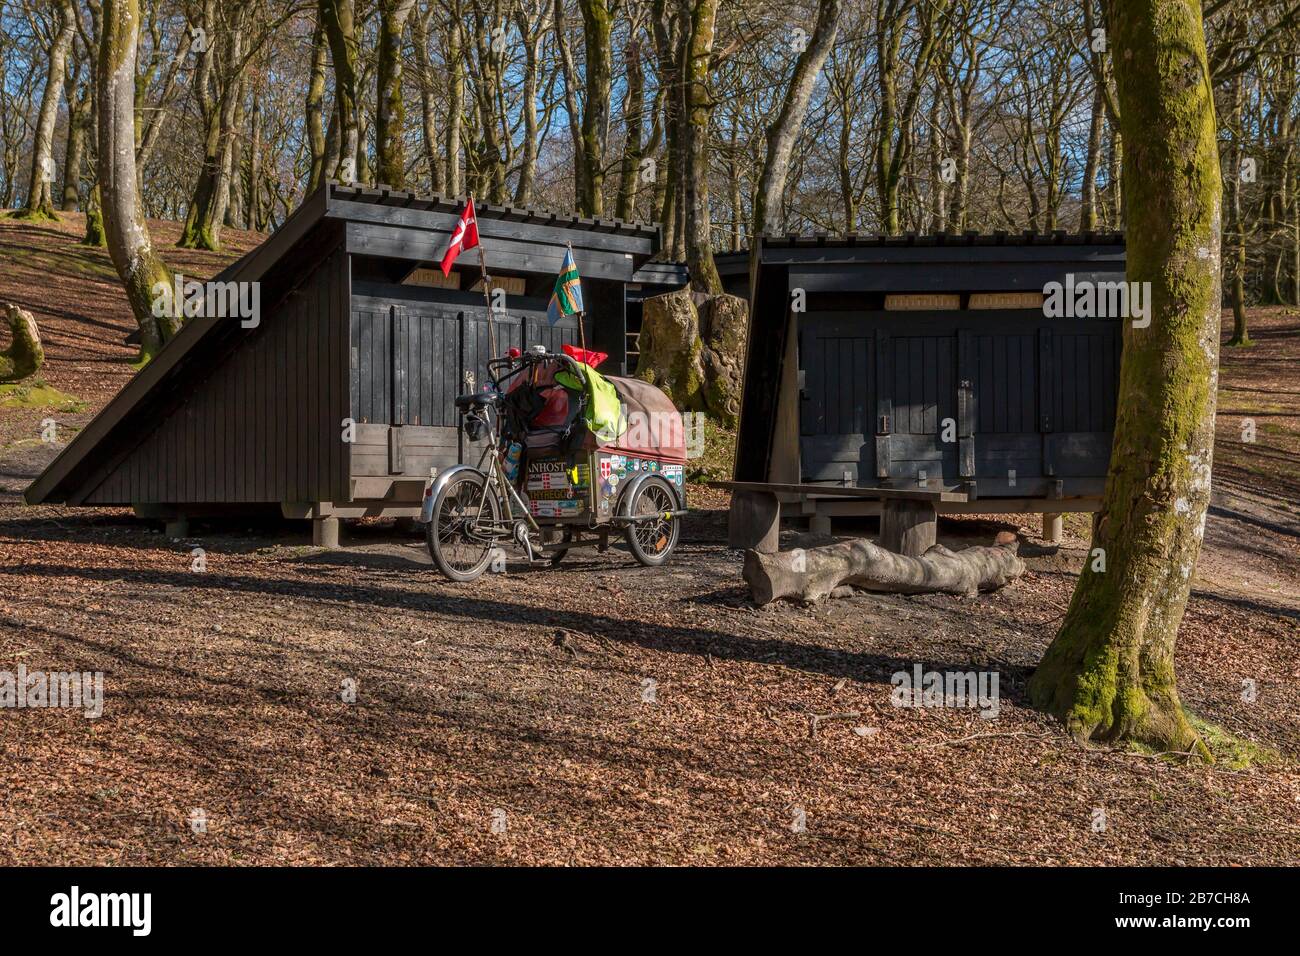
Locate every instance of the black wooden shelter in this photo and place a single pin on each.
(861, 350)
(357, 325)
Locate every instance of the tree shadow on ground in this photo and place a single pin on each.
(694, 641)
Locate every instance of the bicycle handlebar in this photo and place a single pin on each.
(528, 358)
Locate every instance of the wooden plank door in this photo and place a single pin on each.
(837, 369)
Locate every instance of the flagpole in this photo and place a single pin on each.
(582, 334)
(487, 295)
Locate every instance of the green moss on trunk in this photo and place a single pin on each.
(390, 117)
(40, 214)
(1109, 674)
(94, 223)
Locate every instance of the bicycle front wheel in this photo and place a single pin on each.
(458, 537)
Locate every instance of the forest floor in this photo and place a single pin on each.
(599, 712)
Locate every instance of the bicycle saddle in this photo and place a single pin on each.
(478, 400)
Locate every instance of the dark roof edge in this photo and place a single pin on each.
(941, 239)
(662, 273)
(388, 196)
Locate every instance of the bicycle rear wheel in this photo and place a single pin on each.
(464, 503)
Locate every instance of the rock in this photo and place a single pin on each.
(25, 354)
(670, 349)
(724, 324)
(693, 347)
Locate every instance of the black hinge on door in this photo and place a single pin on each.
(967, 412)
(883, 461)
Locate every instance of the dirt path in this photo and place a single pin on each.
(615, 714)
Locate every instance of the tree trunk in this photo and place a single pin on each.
(1088, 205)
(597, 24)
(634, 121)
(1236, 227)
(1116, 179)
(40, 187)
(390, 153)
(887, 55)
(699, 109)
(938, 152)
(811, 574)
(74, 154)
(532, 37)
(315, 107)
(456, 101)
(783, 133)
(94, 221)
(1109, 674)
(1240, 328)
(219, 99)
(363, 138)
(733, 186)
(1295, 248)
(667, 32)
(129, 246)
(253, 199)
(340, 32)
(233, 207)
(571, 110)
(428, 110)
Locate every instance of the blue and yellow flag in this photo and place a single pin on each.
(567, 297)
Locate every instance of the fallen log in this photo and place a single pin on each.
(811, 574)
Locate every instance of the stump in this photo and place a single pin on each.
(908, 527)
(809, 575)
(25, 354)
(754, 522)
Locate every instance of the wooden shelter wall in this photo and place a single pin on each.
(265, 424)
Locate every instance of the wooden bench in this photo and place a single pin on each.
(909, 520)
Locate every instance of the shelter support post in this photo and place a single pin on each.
(819, 523)
(754, 522)
(177, 527)
(325, 532)
(1053, 528)
(908, 527)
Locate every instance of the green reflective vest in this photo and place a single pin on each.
(604, 411)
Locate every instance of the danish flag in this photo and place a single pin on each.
(465, 236)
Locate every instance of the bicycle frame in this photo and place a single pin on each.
(496, 480)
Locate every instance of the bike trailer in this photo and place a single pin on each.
(575, 470)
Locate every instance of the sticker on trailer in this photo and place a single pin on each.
(560, 508)
(547, 474)
(549, 481)
(552, 494)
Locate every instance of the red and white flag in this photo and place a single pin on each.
(465, 236)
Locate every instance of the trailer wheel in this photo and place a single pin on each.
(652, 541)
